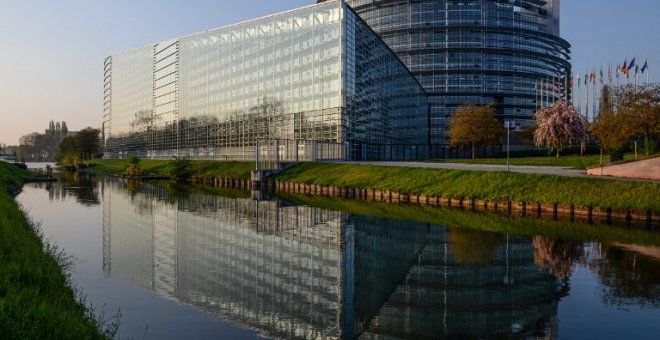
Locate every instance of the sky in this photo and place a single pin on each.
(51, 59)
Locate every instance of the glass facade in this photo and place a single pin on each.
(316, 73)
(476, 51)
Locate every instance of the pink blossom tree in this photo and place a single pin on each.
(560, 124)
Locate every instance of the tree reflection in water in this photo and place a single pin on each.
(474, 247)
(82, 187)
(558, 256)
(627, 277)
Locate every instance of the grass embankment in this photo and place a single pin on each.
(220, 169)
(455, 218)
(571, 161)
(603, 193)
(36, 300)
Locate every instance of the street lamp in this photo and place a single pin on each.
(509, 124)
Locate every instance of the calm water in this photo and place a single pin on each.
(180, 263)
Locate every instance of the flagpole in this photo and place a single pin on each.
(541, 93)
(536, 95)
(594, 80)
(618, 69)
(546, 94)
(579, 94)
(586, 83)
(566, 81)
(546, 91)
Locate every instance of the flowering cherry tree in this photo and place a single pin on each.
(560, 124)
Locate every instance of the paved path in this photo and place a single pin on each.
(529, 169)
(551, 170)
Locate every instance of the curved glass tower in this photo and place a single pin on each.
(476, 51)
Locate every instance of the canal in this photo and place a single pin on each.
(173, 261)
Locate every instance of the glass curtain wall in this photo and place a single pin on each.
(131, 100)
(476, 51)
(387, 104)
(305, 74)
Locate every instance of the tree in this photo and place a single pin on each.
(28, 148)
(558, 125)
(84, 145)
(608, 129)
(640, 110)
(474, 125)
(64, 129)
(88, 142)
(68, 150)
(606, 104)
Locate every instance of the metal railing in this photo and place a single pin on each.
(271, 154)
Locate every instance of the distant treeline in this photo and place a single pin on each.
(59, 144)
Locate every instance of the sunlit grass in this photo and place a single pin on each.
(36, 299)
(494, 185)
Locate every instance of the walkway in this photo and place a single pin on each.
(528, 169)
(549, 170)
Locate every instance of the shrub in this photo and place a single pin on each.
(135, 160)
(181, 168)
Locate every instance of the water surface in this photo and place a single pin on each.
(180, 262)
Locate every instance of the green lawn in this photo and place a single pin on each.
(595, 192)
(36, 300)
(572, 161)
(221, 169)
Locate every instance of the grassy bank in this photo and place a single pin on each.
(571, 161)
(221, 169)
(481, 185)
(36, 300)
(455, 218)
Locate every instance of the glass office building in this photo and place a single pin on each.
(316, 73)
(477, 51)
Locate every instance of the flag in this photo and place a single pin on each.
(618, 70)
(646, 65)
(586, 78)
(632, 64)
(593, 75)
(624, 67)
(601, 74)
(609, 74)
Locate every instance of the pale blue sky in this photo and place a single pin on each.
(51, 60)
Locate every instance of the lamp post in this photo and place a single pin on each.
(508, 124)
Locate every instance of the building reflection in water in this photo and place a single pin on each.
(303, 272)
